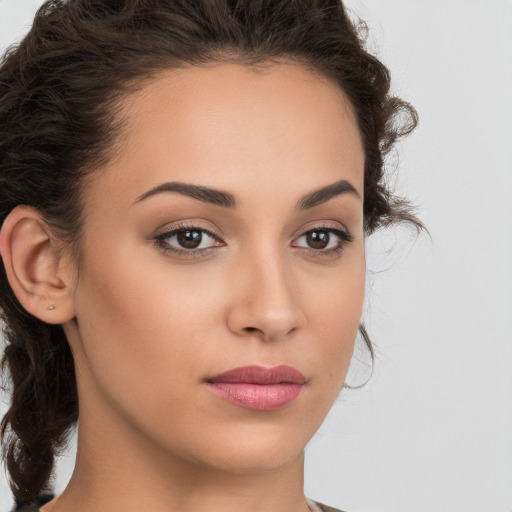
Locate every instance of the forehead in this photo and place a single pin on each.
(233, 126)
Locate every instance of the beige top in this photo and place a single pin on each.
(320, 507)
(34, 507)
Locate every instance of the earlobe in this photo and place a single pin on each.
(35, 266)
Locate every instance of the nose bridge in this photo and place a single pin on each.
(266, 299)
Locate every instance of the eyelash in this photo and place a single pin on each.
(160, 240)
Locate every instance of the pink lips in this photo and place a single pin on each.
(256, 387)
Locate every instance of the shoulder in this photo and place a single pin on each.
(34, 506)
(41, 500)
(326, 508)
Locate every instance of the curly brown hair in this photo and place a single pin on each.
(59, 92)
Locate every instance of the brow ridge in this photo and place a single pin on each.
(323, 194)
(226, 199)
(205, 194)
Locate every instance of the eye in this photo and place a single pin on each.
(324, 240)
(190, 240)
(187, 240)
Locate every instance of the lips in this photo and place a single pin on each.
(257, 387)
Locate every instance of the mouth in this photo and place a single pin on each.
(258, 387)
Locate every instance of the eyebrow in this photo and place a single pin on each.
(227, 200)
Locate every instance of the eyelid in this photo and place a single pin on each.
(342, 234)
(198, 224)
(324, 226)
(160, 238)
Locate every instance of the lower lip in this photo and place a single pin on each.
(261, 397)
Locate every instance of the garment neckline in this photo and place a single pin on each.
(46, 498)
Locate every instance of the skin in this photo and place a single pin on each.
(148, 326)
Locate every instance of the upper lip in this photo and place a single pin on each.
(260, 375)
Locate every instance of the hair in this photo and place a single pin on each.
(60, 89)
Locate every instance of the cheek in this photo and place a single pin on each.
(139, 324)
(337, 317)
(149, 329)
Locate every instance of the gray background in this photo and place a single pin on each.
(432, 430)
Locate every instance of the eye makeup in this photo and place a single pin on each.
(191, 241)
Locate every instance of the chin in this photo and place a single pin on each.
(245, 450)
(233, 447)
(251, 460)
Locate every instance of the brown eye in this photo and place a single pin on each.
(323, 241)
(318, 239)
(189, 239)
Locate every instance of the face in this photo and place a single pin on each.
(218, 296)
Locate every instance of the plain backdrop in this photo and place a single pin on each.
(432, 430)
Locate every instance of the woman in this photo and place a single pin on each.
(186, 190)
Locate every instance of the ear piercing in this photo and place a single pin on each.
(51, 307)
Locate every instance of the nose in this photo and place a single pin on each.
(266, 299)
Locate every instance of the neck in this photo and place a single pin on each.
(118, 468)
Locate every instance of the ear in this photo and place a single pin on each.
(39, 269)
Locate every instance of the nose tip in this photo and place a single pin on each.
(266, 304)
(271, 329)
(268, 325)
